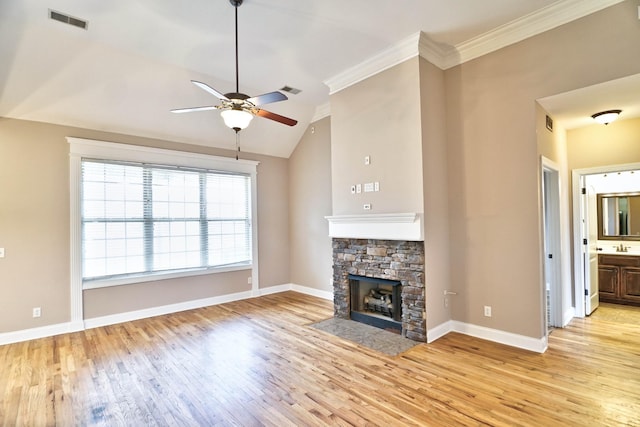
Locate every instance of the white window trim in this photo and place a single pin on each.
(88, 148)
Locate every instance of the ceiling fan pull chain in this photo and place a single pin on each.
(237, 145)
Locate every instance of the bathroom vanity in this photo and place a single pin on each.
(619, 278)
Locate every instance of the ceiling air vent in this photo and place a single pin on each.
(61, 17)
(291, 90)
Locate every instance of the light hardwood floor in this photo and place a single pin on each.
(257, 362)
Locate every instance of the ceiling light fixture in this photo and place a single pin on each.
(236, 118)
(606, 117)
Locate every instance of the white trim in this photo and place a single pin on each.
(136, 153)
(80, 147)
(568, 316)
(393, 55)
(63, 328)
(75, 226)
(274, 290)
(539, 345)
(444, 56)
(36, 333)
(439, 331)
(400, 226)
(327, 295)
(494, 335)
(535, 23)
(321, 112)
(129, 316)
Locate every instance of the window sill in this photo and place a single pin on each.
(131, 280)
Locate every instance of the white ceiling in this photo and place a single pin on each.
(134, 62)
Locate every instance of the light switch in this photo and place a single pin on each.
(376, 186)
(1, 252)
(353, 189)
(368, 187)
(367, 160)
(359, 188)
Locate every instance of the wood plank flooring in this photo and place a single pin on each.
(257, 362)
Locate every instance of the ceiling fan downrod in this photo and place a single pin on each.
(236, 4)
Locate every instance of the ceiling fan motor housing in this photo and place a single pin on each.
(235, 3)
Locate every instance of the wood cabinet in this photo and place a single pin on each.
(619, 278)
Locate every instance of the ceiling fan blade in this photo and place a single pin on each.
(268, 98)
(209, 89)
(276, 117)
(189, 110)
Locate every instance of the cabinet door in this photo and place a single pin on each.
(630, 286)
(608, 281)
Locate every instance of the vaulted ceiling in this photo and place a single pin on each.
(134, 61)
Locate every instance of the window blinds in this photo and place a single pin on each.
(142, 219)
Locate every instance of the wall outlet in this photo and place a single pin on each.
(367, 206)
(359, 188)
(249, 280)
(487, 311)
(37, 312)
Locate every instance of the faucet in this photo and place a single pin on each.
(621, 248)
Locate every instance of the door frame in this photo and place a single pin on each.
(577, 176)
(552, 244)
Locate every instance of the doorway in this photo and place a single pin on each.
(582, 239)
(552, 247)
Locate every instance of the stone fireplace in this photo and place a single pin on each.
(385, 262)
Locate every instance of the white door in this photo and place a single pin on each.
(551, 222)
(591, 251)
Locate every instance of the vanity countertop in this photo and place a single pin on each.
(630, 252)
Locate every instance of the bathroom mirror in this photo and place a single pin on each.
(619, 216)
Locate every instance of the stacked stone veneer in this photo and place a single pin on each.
(382, 259)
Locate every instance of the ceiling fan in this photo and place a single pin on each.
(237, 108)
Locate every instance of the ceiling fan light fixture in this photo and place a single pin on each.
(606, 117)
(236, 119)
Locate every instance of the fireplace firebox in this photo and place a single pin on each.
(376, 302)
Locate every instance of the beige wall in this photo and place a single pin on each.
(378, 117)
(310, 202)
(493, 159)
(436, 193)
(34, 230)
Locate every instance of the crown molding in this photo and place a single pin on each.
(445, 57)
(393, 55)
(535, 23)
(321, 112)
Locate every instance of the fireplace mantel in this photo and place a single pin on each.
(395, 226)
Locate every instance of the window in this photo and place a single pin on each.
(140, 220)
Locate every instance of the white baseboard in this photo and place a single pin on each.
(63, 328)
(328, 295)
(568, 316)
(164, 309)
(35, 333)
(273, 290)
(439, 331)
(495, 335)
(502, 337)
